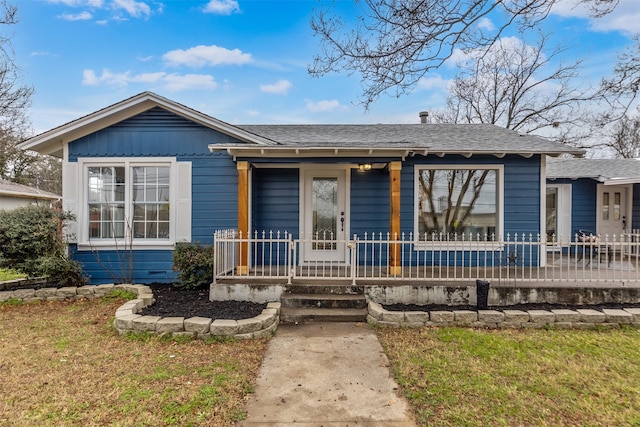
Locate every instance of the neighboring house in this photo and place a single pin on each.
(601, 196)
(147, 173)
(14, 195)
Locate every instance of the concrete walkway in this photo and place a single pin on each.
(326, 374)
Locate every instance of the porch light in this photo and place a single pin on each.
(364, 167)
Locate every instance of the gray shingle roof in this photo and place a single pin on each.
(475, 138)
(8, 188)
(600, 169)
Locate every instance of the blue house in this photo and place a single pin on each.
(601, 196)
(146, 173)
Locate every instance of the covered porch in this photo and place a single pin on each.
(512, 260)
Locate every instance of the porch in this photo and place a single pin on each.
(514, 260)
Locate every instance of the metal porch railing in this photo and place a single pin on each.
(375, 257)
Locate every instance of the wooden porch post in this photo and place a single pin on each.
(395, 267)
(243, 216)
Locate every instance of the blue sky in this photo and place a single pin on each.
(239, 61)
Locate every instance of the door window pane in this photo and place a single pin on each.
(324, 202)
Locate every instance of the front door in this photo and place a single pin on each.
(325, 215)
(612, 210)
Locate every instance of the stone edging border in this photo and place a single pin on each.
(61, 294)
(535, 319)
(127, 319)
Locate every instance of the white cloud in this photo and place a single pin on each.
(78, 3)
(137, 9)
(486, 24)
(42, 53)
(222, 7)
(132, 7)
(324, 106)
(168, 81)
(201, 56)
(625, 16)
(82, 16)
(281, 87)
(435, 82)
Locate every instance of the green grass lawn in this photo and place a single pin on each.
(465, 377)
(9, 275)
(63, 364)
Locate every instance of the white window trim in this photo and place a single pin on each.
(84, 243)
(564, 232)
(429, 245)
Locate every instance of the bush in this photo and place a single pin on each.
(194, 264)
(30, 242)
(62, 270)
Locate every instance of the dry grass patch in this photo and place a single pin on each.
(464, 377)
(61, 363)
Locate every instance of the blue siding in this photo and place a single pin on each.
(214, 192)
(214, 195)
(276, 200)
(153, 133)
(149, 266)
(583, 202)
(521, 203)
(521, 189)
(369, 202)
(275, 191)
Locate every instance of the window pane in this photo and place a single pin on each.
(106, 191)
(616, 206)
(150, 186)
(552, 213)
(605, 206)
(457, 202)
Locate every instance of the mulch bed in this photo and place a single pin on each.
(174, 302)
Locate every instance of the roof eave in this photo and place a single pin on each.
(350, 151)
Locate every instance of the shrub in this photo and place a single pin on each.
(62, 270)
(31, 242)
(194, 264)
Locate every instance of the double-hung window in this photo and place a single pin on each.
(458, 203)
(131, 201)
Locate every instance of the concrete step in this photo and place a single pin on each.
(323, 301)
(305, 315)
(324, 288)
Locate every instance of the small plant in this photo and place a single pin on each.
(10, 274)
(117, 294)
(194, 264)
(13, 302)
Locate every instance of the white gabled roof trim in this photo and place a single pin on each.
(53, 140)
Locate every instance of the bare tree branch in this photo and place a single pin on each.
(513, 85)
(396, 43)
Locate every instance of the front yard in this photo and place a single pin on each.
(63, 364)
(464, 377)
